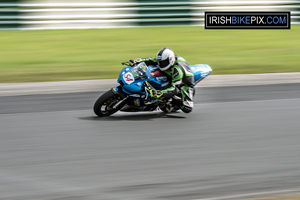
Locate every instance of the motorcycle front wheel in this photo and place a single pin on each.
(104, 106)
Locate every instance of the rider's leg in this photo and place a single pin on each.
(187, 99)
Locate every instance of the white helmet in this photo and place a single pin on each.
(165, 59)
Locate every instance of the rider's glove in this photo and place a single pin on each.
(156, 93)
(133, 62)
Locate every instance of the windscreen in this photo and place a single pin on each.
(139, 71)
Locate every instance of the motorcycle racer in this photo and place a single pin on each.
(177, 69)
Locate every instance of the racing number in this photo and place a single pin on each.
(128, 77)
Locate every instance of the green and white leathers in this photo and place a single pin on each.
(182, 80)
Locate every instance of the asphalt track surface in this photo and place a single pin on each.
(238, 142)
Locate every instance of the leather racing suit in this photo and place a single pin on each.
(182, 81)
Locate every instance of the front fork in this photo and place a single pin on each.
(120, 94)
(118, 91)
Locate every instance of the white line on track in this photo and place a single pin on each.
(252, 194)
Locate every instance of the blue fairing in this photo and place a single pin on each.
(132, 81)
(156, 78)
(200, 72)
(133, 85)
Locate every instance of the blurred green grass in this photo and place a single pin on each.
(56, 55)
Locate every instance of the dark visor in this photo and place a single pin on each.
(163, 63)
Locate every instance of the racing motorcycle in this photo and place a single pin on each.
(132, 94)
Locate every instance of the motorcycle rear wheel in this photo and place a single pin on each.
(104, 106)
(169, 108)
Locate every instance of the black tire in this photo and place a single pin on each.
(104, 105)
(165, 110)
(169, 110)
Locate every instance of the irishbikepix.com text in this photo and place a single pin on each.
(248, 20)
